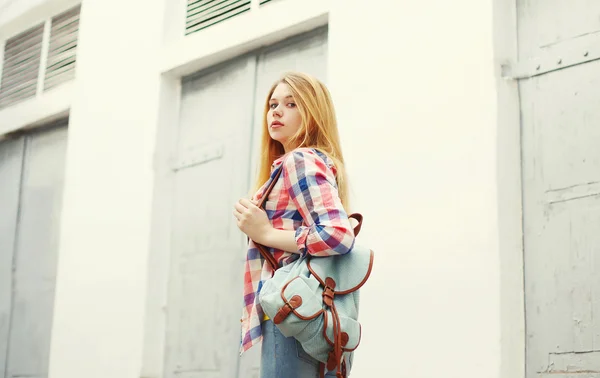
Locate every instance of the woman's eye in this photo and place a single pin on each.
(292, 105)
(273, 106)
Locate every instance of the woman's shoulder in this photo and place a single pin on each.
(310, 156)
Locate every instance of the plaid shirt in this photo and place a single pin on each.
(304, 199)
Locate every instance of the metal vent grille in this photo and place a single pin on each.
(62, 50)
(204, 13)
(22, 54)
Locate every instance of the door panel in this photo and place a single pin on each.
(36, 253)
(11, 161)
(204, 304)
(30, 284)
(561, 193)
(544, 24)
(212, 171)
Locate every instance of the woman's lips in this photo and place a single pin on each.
(276, 125)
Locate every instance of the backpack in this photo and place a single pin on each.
(316, 299)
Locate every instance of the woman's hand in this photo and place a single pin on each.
(252, 220)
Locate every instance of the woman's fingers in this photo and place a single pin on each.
(242, 206)
(239, 207)
(247, 203)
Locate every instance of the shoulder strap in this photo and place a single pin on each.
(263, 251)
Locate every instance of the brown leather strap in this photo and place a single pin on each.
(322, 369)
(263, 251)
(268, 256)
(337, 334)
(359, 219)
(270, 188)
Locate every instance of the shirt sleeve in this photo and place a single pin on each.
(312, 187)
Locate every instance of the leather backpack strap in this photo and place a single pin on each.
(359, 218)
(263, 251)
(322, 369)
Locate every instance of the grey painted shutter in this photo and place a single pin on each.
(204, 13)
(22, 54)
(31, 182)
(11, 164)
(62, 51)
(207, 263)
(560, 135)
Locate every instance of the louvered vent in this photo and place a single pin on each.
(204, 13)
(21, 66)
(264, 1)
(62, 50)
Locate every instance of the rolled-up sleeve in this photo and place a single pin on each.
(311, 184)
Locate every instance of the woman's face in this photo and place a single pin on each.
(283, 118)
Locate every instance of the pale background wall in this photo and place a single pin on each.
(101, 289)
(416, 95)
(417, 92)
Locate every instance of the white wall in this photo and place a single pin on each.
(19, 15)
(102, 274)
(11, 9)
(414, 85)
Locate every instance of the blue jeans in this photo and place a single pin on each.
(283, 357)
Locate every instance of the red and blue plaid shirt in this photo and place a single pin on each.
(304, 199)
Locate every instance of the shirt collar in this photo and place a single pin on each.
(278, 161)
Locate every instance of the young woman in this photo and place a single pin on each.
(305, 212)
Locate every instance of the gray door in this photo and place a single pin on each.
(212, 170)
(31, 183)
(561, 186)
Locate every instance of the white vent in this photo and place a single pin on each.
(21, 66)
(264, 1)
(62, 50)
(204, 13)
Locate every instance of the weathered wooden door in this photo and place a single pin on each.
(31, 185)
(219, 109)
(560, 109)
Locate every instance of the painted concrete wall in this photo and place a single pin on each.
(415, 93)
(417, 97)
(11, 9)
(102, 273)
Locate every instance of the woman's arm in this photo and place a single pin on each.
(281, 239)
(253, 221)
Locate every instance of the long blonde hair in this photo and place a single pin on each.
(318, 129)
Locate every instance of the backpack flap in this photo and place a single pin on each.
(349, 271)
(310, 305)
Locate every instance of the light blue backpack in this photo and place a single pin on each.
(315, 300)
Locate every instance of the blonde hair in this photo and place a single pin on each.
(318, 129)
